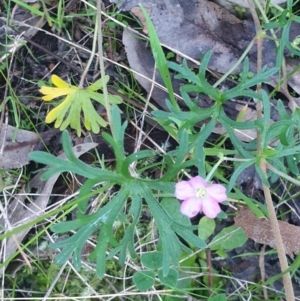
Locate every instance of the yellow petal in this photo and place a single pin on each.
(59, 83)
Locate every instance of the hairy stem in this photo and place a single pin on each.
(287, 282)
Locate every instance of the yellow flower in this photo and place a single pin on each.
(76, 100)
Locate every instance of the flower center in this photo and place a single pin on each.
(200, 193)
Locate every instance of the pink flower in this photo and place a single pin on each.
(198, 196)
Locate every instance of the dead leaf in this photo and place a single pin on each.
(197, 26)
(142, 61)
(20, 212)
(261, 232)
(232, 5)
(17, 145)
(138, 13)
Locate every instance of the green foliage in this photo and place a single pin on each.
(228, 238)
(282, 155)
(152, 260)
(132, 193)
(198, 82)
(219, 297)
(44, 273)
(279, 146)
(159, 57)
(284, 22)
(206, 227)
(146, 278)
(188, 119)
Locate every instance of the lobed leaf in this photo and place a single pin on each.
(77, 100)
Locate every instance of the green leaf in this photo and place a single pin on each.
(170, 244)
(200, 82)
(236, 142)
(127, 241)
(57, 165)
(172, 208)
(182, 149)
(228, 239)
(284, 129)
(293, 166)
(152, 260)
(169, 280)
(241, 89)
(144, 280)
(97, 85)
(201, 138)
(181, 224)
(257, 208)
(62, 227)
(134, 157)
(185, 72)
(45, 158)
(245, 125)
(167, 187)
(261, 174)
(244, 75)
(100, 252)
(73, 244)
(238, 171)
(219, 297)
(192, 105)
(77, 99)
(206, 227)
(204, 64)
(159, 57)
(117, 141)
(85, 189)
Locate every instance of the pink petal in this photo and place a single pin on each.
(197, 182)
(191, 207)
(183, 190)
(210, 207)
(217, 191)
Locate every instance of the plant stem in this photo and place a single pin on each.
(211, 173)
(287, 282)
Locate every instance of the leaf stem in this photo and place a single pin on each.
(210, 175)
